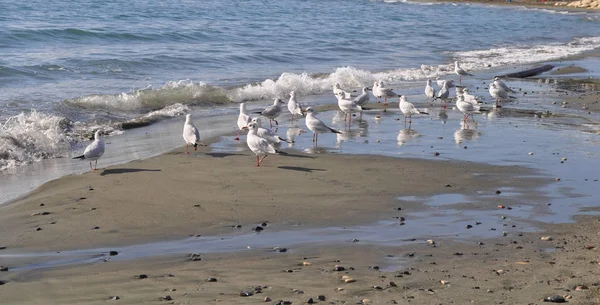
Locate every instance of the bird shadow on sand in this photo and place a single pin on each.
(301, 169)
(116, 171)
(283, 153)
(222, 154)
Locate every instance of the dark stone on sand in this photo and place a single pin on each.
(469, 226)
(264, 224)
(282, 250)
(113, 253)
(2, 248)
(258, 228)
(41, 204)
(339, 268)
(498, 192)
(116, 297)
(458, 253)
(555, 299)
(96, 228)
(3, 268)
(91, 188)
(392, 284)
(448, 185)
(321, 298)
(142, 276)
(399, 209)
(354, 240)
(237, 226)
(2, 283)
(211, 279)
(310, 301)
(436, 153)
(44, 213)
(377, 287)
(38, 229)
(280, 302)
(195, 257)
(167, 298)
(375, 268)
(246, 293)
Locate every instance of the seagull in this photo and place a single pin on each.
(94, 151)
(191, 134)
(293, 106)
(498, 93)
(384, 92)
(317, 126)
(347, 106)
(243, 119)
(408, 109)
(466, 108)
(259, 146)
(500, 84)
(267, 133)
(444, 93)
(467, 97)
(429, 91)
(273, 111)
(460, 72)
(362, 99)
(375, 91)
(337, 88)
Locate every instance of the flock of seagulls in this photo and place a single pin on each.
(262, 140)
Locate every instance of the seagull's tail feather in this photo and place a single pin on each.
(284, 140)
(423, 112)
(80, 157)
(335, 130)
(257, 112)
(281, 152)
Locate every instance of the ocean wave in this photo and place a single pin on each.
(175, 92)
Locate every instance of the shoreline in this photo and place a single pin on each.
(576, 6)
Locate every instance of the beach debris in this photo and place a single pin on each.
(340, 289)
(246, 293)
(195, 257)
(555, 299)
(142, 276)
(298, 291)
(167, 298)
(590, 247)
(469, 226)
(3, 268)
(581, 287)
(377, 287)
(267, 299)
(113, 253)
(546, 238)
(310, 301)
(501, 207)
(306, 264)
(338, 268)
(498, 192)
(557, 179)
(258, 228)
(116, 297)
(431, 241)
(40, 213)
(444, 282)
(436, 153)
(2, 247)
(490, 291)
(38, 229)
(348, 279)
(282, 302)
(2, 283)
(211, 279)
(321, 298)
(531, 153)
(366, 301)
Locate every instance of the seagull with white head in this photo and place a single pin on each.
(93, 151)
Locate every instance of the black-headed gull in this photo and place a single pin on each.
(429, 90)
(191, 135)
(273, 111)
(337, 88)
(498, 93)
(460, 72)
(316, 125)
(267, 133)
(502, 85)
(259, 146)
(444, 93)
(93, 151)
(383, 92)
(363, 99)
(408, 109)
(466, 108)
(347, 106)
(293, 106)
(243, 119)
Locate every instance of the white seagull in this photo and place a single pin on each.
(259, 146)
(429, 91)
(273, 111)
(243, 119)
(363, 99)
(502, 85)
(498, 93)
(317, 126)
(444, 93)
(383, 92)
(191, 134)
(466, 108)
(460, 72)
(408, 109)
(347, 106)
(467, 97)
(293, 106)
(337, 88)
(94, 151)
(267, 133)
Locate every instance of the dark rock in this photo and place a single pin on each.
(2, 283)
(44, 213)
(195, 257)
(469, 226)
(211, 279)
(282, 250)
(3, 268)
(375, 268)
(38, 229)
(2, 248)
(392, 284)
(436, 153)
(115, 297)
(246, 293)
(448, 185)
(41, 204)
(113, 253)
(339, 268)
(310, 301)
(167, 298)
(498, 192)
(377, 287)
(354, 240)
(264, 224)
(321, 298)
(555, 299)
(258, 228)
(237, 226)
(142, 276)
(458, 253)
(96, 228)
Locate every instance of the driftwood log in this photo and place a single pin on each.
(529, 72)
